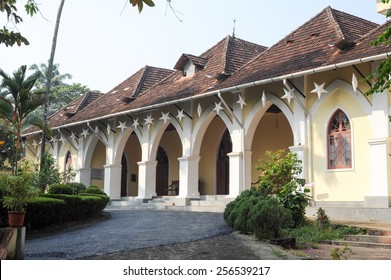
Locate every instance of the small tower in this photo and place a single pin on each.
(382, 8)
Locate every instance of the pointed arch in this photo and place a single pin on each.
(346, 87)
(257, 113)
(121, 141)
(339, 131)
(203, 123)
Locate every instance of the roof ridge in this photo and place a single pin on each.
(140, 82)
(380, 26)
(227, 45)
(330, 15)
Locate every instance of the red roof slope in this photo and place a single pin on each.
(310, 46)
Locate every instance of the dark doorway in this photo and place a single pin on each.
(222, 166)
(124, 176)
(161, 172)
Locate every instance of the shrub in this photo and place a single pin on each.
(60, 189)
(94, 190)
(48, 175)
(77, 187)
(252, 212)
(322, 220)
(280, 177)
(268, 218)
(45, 211)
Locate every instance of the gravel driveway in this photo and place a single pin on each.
(127, 230)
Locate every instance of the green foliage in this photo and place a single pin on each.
(77, 187)
(140, 4)
(382, 73)
(60, 189)
(252, 212)
(278, 169)
(19, 191)
(341, 253)
(280, 177)
(268, 218)
(17, 102)
(48, 175)
(45, 211)
(68, 175)
(94, 190)
(322, 220)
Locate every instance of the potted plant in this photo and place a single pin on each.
(18, 192)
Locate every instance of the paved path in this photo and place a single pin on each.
(127, 230)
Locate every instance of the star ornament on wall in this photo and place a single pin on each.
(85, 133)
(53, 139)
(319, 90)
(165, 117)
(180, 115)
(122, 126)
(288, 95)
(149, 120)
(199, 110)
(135, 123)
(241, 102)
(218, 108)
(72, 136)
(35, 144)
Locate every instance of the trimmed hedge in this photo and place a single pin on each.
(60, 189)
(77, 187)
(44, 211)
(94, 190)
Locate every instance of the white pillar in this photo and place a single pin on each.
(83, 175)
(248, 168)
(235, 174)
(380, 192)
(112, 180)
(188, 179)
(147, 179)
(302, 154)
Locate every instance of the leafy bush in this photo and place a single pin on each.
(252, 212)
(280, 177)
(268, 218)
(60, 189)
(49, 175)
(77, 187)
(94, 190)
(45, 211)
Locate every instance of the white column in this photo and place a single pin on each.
(188, 179)
(235, 174)
(147, 180)
(83, 175)
(380, 192)
(112, 180)
(248, 168)
(302, 154)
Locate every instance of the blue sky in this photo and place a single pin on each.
(101, 44)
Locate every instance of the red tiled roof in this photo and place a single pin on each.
(310, 46)
(328, 38)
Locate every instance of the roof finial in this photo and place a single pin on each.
(233, 31)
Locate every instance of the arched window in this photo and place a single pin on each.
(339, 142)
(68, 161)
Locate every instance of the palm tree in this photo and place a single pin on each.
(17, 101)
(57, 79)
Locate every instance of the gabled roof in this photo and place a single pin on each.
(196, 60)
(310, 46)
(74, 107)
(118, 97)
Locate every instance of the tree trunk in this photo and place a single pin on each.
(49, 81)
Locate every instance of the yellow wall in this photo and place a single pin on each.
(98, 161)
(207, 165)
(133, 155)
(171, 143)
(341, 185)
(269, 138)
